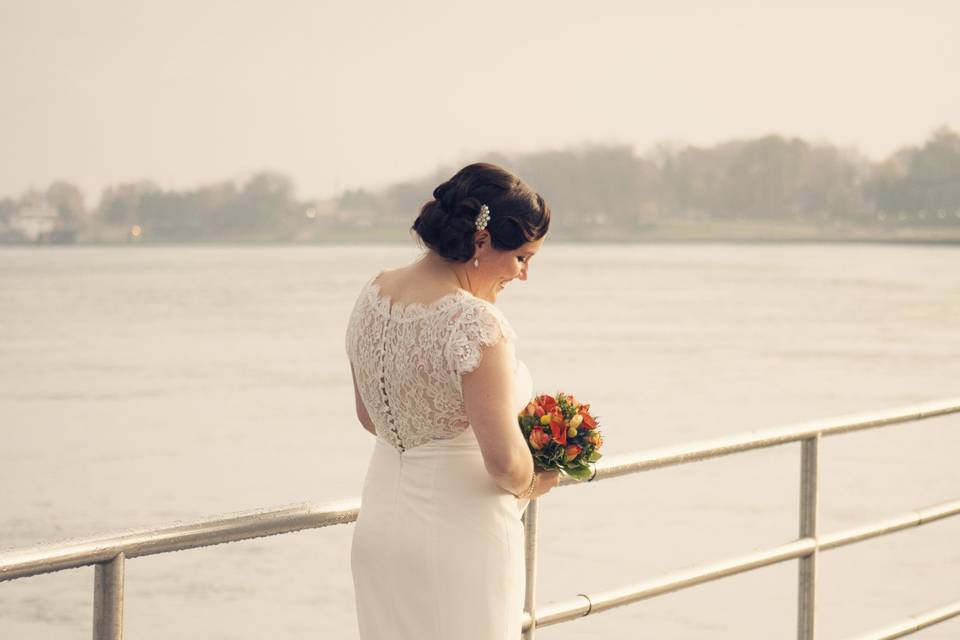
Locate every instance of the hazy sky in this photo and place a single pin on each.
(347, 94)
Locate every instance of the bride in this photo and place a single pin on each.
(437, 549)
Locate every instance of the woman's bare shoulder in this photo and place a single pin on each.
(403, 284)
(390, 277)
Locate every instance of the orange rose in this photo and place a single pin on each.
(531, 408)
(572, 451)
(538, 438)
(595, 439)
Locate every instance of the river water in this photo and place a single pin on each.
(146, 385)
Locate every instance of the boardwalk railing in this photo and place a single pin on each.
(108, 554)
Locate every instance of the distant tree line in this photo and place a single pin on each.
(770, 180)
(263, 208)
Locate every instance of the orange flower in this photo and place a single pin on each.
(538, 438)
(572, 451)
(558, 427)
(595, 439)
(588, 421)
(531, 408)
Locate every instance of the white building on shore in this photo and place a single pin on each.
(35, 221)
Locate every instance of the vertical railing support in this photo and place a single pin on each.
(108, 599)
(809, 507)
(530, 550)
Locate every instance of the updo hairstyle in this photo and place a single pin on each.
(447, 224)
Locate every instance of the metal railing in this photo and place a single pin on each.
(108, 554)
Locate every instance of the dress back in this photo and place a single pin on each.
(408, 360)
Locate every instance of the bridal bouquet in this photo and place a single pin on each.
(562, 434)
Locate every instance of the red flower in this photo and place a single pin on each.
(572, 451)
(547, 402)
(558, 427)
(538, 438)
(588, 421)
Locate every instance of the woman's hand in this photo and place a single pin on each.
(546, 479)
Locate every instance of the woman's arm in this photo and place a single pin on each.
(488, 400)
(362, 414)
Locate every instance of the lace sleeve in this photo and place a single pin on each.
(480, 325)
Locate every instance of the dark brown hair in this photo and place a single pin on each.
(447, 224)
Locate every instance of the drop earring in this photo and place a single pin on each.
(476, 262)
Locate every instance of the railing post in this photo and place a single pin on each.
(809, 507)
(530, 550)
(108, 599)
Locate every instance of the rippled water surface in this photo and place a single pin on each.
(142, 386)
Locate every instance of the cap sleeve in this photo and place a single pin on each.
(481, 324)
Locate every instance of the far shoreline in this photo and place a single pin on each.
(387, 242)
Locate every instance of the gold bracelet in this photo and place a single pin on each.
(529, 490)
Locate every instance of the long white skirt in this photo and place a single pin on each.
(438, 547)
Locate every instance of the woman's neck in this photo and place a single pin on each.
(441, 270)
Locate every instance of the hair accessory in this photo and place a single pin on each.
(483, 217)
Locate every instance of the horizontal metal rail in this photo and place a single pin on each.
(907, 520)
(181, 535)
(258, 523)
(585, 604)
(625, 464)
(914, 623)
(109, 553)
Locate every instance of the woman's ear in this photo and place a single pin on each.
(482, 236)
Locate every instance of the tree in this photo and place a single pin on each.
(120, 205)
(920, 185)
(67, 200)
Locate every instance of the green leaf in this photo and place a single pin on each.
(596, 455)
(578, 472)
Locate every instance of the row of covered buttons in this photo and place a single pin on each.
(383, 390)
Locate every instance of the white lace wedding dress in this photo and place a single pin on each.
(438, 547)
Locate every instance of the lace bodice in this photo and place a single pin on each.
(408, 360)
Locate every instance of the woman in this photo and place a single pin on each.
(437, 549)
